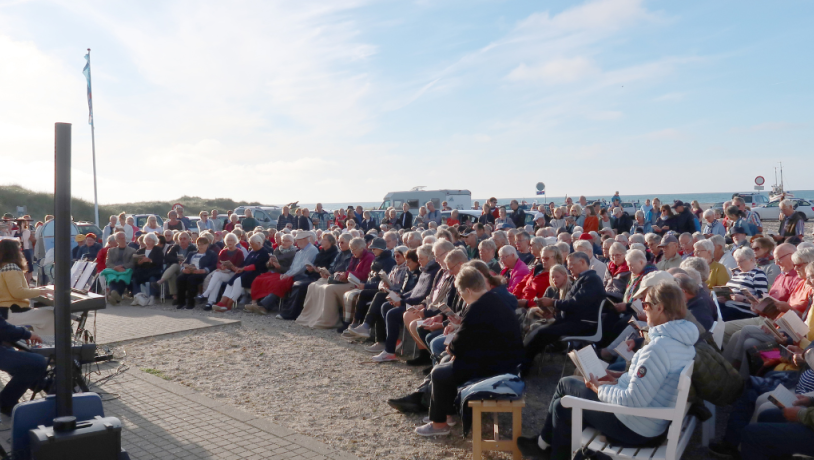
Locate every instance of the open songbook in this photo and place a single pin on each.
(393, 296)
(788, 323)
(765, 306)
(588, 363)
(782, 397)
(385, 279)
(352, 279)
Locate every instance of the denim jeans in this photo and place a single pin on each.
(437, 347)
(26, 369)
(775, 437)
(557, 427)
(394, 319)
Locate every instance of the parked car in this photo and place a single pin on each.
(630, 207)
(89, 227)
(752, 199)
(141, 219)
(467, 217)
(771, 211)
(266, 216)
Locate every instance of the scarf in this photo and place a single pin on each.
(616, 270)
(636, 280)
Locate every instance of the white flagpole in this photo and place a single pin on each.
(93, 146)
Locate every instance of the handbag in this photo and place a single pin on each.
(762, 358)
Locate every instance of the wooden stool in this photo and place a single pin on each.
(479, 445)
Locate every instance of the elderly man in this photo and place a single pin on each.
(685, 245)
(522, 242)
(514, 269)
(606, 245)
(120, 260)
(205, 223)
(110, 229)
(670, 258)
(470, 239)
(217, 224)
(751, 216)
(574, 315)
(433, 214)
(792, 223)
(285, 219)
(697, 303)
(595, 264)
(654, 244)
(519, 215)
(406, 219)
(176, 254)
(320, 217)
(712, 226)
(500, 239)
(622, 221)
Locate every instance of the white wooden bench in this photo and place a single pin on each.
(678, 434)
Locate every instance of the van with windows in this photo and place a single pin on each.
(417, 197)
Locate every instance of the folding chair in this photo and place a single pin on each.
(574, 341)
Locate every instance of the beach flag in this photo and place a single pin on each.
(86, 72)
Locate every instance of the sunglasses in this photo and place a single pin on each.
(647, 305)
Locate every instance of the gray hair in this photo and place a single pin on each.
(718, 241)
(687, 283)
(508, 251)
(704, 244)
(151, 236)
(443, 245)
(697, 264)
(787, 203)
(803, 256)
(639, 213)
(426, 251)
(231, 236)
(744, 253)
(357, 243)
(619, 247)
(259, 238)
(635, 255)
(582, 244)
(401, 250)
(637, 238)
(290, 237)
(580, 256)
(488, 243)
(708, 212)
(564, 248)
(539, 241)
(456, 256)
(652, 238)
(639, 246)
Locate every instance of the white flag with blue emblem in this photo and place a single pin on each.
(86, 71)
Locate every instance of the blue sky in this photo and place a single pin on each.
(345, 100)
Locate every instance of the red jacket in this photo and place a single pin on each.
(360, 267)
(532, 286)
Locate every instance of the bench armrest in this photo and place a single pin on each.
(585, 404)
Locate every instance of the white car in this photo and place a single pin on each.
(771, 211)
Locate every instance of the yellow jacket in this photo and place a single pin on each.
(14, 287)
(718, 275)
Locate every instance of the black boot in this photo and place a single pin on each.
(529, 448)
(423, 359)
(409, 404)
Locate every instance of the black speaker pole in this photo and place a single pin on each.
(62, 269)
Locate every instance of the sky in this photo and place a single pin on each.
(343, 100)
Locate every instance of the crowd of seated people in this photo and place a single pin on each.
(485, 299)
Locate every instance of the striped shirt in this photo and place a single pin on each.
(754, 281)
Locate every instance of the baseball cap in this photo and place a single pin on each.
(378, 243)
(586, 236)
(738, 230)
(79, 238)
(91, 235)
(678, 203)
(652, 280)
(667, 240)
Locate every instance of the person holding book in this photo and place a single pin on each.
(746, 277)
(486, 343)
(651, 381)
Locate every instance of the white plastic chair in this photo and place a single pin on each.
(591, 339)
(678, 434)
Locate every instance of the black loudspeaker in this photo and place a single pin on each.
(98, 439)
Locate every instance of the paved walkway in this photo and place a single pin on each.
(116, 325)
(165, 420)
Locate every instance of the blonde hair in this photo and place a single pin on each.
(563, 271)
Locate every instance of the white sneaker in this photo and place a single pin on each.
(151, 301)
(137, 301)
(384, 357)
(428, 430)
(375, 348)
(362, 330)
(450, 420)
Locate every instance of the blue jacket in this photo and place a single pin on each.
(647, 227)
(652, 380)
(581, 303)
(208, 262)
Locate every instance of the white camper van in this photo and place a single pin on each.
(417, 197)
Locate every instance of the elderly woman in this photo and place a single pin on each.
(641, 225)
(255, 264)
(534, 284)
(173, 223)
(503, 220)
(289, 260)
(149, 263)
(152, 225)
(651, 381)
(230, 259)
(205, 223)
(174, 255)
(617, 276)
(196, 267)
(233, 220)
(746, 277)
(712, 226)
(323, 303)
(718, 274)
(487, 249)
(764, 247)
(559, 218)
(472, 357)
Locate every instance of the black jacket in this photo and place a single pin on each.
(369, 224)
(156, 260)
(423, 286)
(208, 262)
(406, 220)
(284, 220)
(341, 261)
(685, 222)
(489, 339)
(385, 262)
(486, 219)
(519, 218)
(623, 223)
(303, 223)
(171, 257)
(581, 304)
(326, 257)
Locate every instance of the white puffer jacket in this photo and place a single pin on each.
(652, 380)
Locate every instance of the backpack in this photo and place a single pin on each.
(713, 378)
